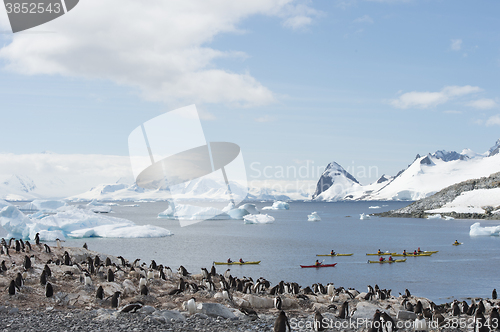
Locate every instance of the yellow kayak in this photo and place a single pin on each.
(457, 244)
(412, 255)
(384, 253)
(336, 255)
(236, 263)
(387, 261)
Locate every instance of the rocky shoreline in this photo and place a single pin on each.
(179, 301)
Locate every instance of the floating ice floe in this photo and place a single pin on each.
(363, 216)
(44, 205)
(374, 207)
(477, 230)
(434, 216)
(313, 217)
(258, 219)
(73, 222)
(131, 205)
(193, 212)
(97, 207)
(278, 205)
(448, 218)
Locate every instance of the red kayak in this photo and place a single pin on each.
(322, 265)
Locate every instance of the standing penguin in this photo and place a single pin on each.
(18, 246)
(376, 323)
(278, 303)
(281, 323)
(28, 246)
(85, 246)
(115, 300)
(144, 290)
(494, 319)
(37, 238)
(12, 287)
(494, 294)
(100, 293)
(344, 311)
(19, 280)
(480, 322)
(455, 309)
(67, 261)
(27, 262)
(3, 267)
(107, 262)
(418, 308)
(47, 271)
(191, 306)
(43, 278)
(49, 291)
(318, 321)
(97, 261)
(111, 275)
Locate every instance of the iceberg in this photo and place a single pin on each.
(191, 212)
(44, 205)
(251, 208)
(73, 222)
(434, 216)
(477, 230)
(313, 217)
(374, 207)
(278, 205)
(258, 219)
(363, 216)
(97, 207)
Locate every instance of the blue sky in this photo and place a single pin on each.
(363, 83)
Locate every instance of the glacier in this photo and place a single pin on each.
(258, 219)
(313, 217)
(477, 230)
(278, 205)
(73, 222)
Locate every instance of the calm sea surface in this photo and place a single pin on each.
(469, 270)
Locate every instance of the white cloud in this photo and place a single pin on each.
(452, 112)
(160, 47)
(493, 120)
(431, 99)
(363, 19)
(456, 44)
(483, 104)
(265, 118)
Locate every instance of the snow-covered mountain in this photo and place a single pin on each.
(425, 176)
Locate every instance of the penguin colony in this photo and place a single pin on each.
(49, 274)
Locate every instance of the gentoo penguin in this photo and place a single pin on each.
(388, 322)
(183, 272)
(37, 239)
(249, 312)
(115, 300)
(47, 248)
(191, 306)
(144, 290)
(19, 280)
(18, 246)
(111, 275)
(49, 291)
(318, 321)
(162, 275)
(107, 262)
(455, 310)
(439, 318)
(22, 244)
(480, 322)
(494, 319)
(212, 271)
(278, 303)
(88, 280)
(494, 294)
(169, 272)
(420, 323)
(43, 278)
(344, 311)
(122, 260)
(67, 261)
(47, 270)
(481, 308)
(472, 308)
(418, 308)
(151, 274)
(12, 287)
(97, 261)
(465, 307)
(3, 267)
(99, 293)
(153, 265)
(27, 262)
(204, 272)
(281, 323)
(85, 246)
(182, 285)
(28, 246)
(58, 244)
(132, 307)
(142, 282)
(376, 323)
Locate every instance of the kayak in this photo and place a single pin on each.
(236, 263)
(412, 255)
(384, 253)
(322, 265)
(386, 261)
(336, 255)
(457, 244)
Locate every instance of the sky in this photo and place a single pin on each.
(365, 83)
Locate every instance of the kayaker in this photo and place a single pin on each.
(404, 252)
(379, 252)
(332, 253)
(390, 259)
(381, 259)
(419, 251)
(456, 242)
(229, 260)
(415, 252)
(241, 261)
(317, 263)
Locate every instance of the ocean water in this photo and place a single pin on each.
(469, 270)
